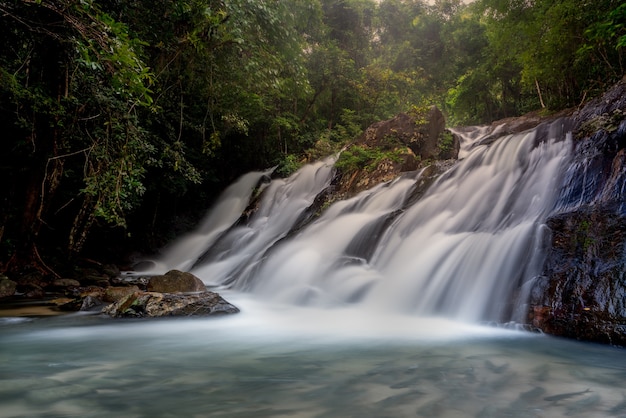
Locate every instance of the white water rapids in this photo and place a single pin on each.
(466, 250)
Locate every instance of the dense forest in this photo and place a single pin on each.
(122, 120)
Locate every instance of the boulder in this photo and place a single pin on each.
(405, 143)
(175, 281)
(85, 299)
(7, 287)
(115, 293)
(422, 131)
(152, 305)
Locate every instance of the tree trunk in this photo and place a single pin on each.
(543, 106)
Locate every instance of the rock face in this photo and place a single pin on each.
(152, 304)
(424, 133)
(175, 281)
(582, 290)
(175, 293)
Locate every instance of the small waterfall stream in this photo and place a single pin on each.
(466, 250)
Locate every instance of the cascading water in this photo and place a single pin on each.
(465, 250)
(462, 250)
(184, 252)
(228, 249)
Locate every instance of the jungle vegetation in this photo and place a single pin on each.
(122, 119)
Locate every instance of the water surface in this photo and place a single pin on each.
(300, 362)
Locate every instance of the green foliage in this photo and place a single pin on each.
(445, 142)
(419, 114)
(361, 157)
(605, 40)
(108, 108)
(538, 56)
(288, 165)
(323, 147)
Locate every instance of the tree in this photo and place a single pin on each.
(71, 87)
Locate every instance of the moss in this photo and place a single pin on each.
(360, 157)
(584, 237)
(420, 114)
(604, 122)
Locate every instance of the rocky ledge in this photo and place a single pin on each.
(141, 304)
(175, 293)
(581, 292)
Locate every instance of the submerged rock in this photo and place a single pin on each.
(152, 304)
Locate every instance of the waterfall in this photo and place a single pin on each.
(468, 249)
(226, 247)
(185, 251)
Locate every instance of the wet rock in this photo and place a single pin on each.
(517, 124)
(94, 291)
(403, 144)
(581, 292)
(88, 298)
(7, 287)
(115, 293)
(94, 298)
(88, 303)
(139, 281)
(34, 292)
(111, 270)
(91, 304)
(152, 304)
(175, 281)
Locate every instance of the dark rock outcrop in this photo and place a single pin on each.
(582, 290)
(175, 293)
(152, 304)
